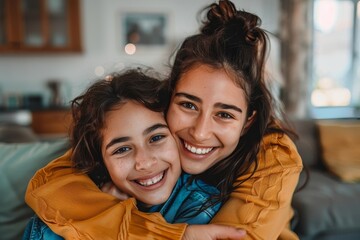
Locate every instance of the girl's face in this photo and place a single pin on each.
(207, 116)
(140, 153)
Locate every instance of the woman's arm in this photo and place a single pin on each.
(262, 204)
(74, 207)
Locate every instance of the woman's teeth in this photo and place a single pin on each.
(197, 150)
(151, 181)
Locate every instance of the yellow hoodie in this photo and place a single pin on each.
(74, 207)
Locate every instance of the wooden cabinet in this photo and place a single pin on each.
(50, 122)
(39, 26)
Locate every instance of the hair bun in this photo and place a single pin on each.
(251, 24)
(223, 17)
(218, 15)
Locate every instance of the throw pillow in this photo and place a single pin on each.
(340, 148)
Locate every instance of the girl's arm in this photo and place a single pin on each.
(262, 204)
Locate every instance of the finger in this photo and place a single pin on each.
(107, 187)
(213, 232)
(234, 234)
(120, 195)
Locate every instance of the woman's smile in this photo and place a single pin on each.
(206, 123)
(197, 150)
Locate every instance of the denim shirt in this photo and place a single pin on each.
(183, 206)
(38, 230)
(186, 201)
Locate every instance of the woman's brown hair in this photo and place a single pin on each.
(232, 40)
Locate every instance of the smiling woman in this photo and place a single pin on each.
(199, 96)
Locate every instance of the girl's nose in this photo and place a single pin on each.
(144, 160)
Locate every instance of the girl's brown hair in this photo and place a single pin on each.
(89, 112)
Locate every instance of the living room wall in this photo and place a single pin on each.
(102, 45)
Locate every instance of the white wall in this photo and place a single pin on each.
(102, 44)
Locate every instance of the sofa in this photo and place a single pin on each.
(328, 205)
(22, 154)
(326, 208)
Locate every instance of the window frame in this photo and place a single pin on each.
(353, 109)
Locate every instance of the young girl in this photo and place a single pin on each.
(223, 119)
(119, 134)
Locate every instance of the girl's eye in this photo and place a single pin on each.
(225, 115)
(122, 150)
(188, 105)
(156, 138)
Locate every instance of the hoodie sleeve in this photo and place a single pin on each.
(75, 208)
(262, 204)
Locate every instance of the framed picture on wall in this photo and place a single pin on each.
(145, 29)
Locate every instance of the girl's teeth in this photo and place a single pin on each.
(197, 150)
(152, 181)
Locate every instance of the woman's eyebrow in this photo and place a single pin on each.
(218, 105)
(228, 106)
(189, 96)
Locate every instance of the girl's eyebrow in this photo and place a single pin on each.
(217, 105)
(154, 127)
(117, 140)
(145, 132)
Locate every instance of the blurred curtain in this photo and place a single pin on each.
(295, 40)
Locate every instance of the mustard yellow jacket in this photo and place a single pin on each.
(74, 207)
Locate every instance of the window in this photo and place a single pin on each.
(336, 70)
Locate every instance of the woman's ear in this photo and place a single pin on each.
(249, 122)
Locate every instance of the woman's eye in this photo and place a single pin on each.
(188, 105)
(122, 150)
(156, 138)
(225, 115)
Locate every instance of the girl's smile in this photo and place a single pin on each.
(140, 153)
(147, 182)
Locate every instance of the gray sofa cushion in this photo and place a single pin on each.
(18, 163)
(308, 144)
(17, 134)
(326, 203)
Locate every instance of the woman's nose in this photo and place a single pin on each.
(201, 129)
(144, 160)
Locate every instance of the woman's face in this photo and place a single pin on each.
(207, 115)
(140, 153)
